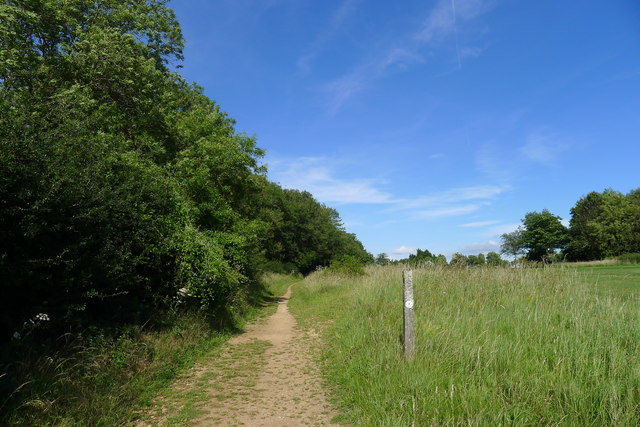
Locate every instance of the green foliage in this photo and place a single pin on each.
(123, 186)
(423, 258)
(543, 234)
(300, 231)
(513, 244)
(346, 265)
(203, 272)
(476, 259)
(121, 183)
(382, 259)
(604, 225)
(493, 258)
(459, 259)
(540, 237)
(633, 258)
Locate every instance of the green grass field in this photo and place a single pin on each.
(553, 346)
(614, 279)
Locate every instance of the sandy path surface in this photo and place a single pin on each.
(264, 377)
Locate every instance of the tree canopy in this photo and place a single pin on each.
(540, 236)
(602, 225)
(122, 183)
(543, 234)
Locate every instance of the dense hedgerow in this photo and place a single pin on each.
(122, 184)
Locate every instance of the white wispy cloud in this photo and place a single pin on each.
(445, 211)
(315, 175)
(498, 230)
(471, 52)
(453, 196)
(404, 250)
(544, 148)
(478, 224)
(439, 24)
(491, 161)
(321, 177)
(337, 20)
(436, 156)
(480, 247)
(441, 21)
(343, 88)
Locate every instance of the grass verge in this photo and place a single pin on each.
(495, 346)
(97, 379)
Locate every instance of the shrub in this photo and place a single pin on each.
(204, 272)
(631, 258)
(347, 265)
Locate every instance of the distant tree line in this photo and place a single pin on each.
(602, 225)
(423, 257)
(121, 183)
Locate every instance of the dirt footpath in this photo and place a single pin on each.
(264, 377)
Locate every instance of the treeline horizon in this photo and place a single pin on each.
(603, 225)
(424, 257)
(123, 186)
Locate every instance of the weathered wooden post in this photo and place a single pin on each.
(409, 332)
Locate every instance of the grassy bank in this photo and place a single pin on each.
(495, 346)
(102, 379)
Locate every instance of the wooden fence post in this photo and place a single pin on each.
(409, 332)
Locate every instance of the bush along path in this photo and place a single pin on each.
(266, 376)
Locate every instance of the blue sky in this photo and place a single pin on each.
(428, 124)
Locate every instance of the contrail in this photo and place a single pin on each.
(455, 32)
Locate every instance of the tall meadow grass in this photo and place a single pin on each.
(494, 346)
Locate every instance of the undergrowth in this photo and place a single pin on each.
(631, 258)
(103, 376)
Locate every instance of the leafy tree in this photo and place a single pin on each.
(421, 257)
(513, 244)
(634, 216)
(440, 260)
(382, 259)
(89, 213)
(493, 258)
(476, 259)
(604, 225)
(424, 257)
(303, 233)
(543, 234)
(459, 259)
(121, 183)
(583, 234)
(347, 265)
